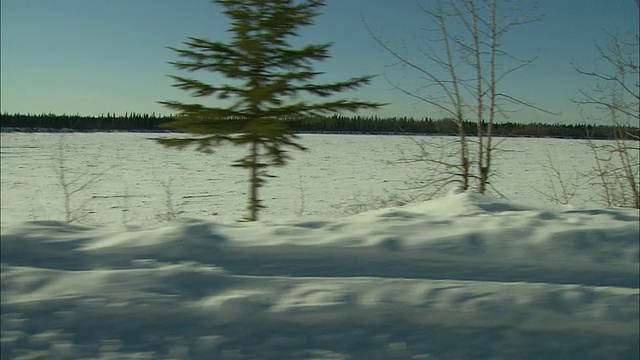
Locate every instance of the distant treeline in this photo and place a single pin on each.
(328, 124)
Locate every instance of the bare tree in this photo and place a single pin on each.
(464, 77)
(615, 98)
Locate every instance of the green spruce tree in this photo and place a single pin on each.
(267, 78)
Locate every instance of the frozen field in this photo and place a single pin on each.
(339, 175)
(462, 276)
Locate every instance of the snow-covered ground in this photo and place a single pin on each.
(341, 174)
(462, 276)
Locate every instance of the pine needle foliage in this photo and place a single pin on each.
(267, 78)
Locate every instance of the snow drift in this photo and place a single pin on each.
(464, 276)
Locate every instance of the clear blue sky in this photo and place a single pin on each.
(97, 56)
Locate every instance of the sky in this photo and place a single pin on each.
(93, 57)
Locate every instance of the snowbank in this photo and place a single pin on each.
(498, 279)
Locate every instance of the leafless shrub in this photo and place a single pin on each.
(615, 98)
(560, 189)
(617, 172)
(440, 172)
(72, 185)
(358, 205)
(301, 209)
(170, 213)
(124, 211)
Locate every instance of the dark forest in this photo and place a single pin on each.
(135, 122)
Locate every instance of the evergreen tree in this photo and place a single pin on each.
(267, 77)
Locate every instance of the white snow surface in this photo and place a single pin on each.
(463, 276)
